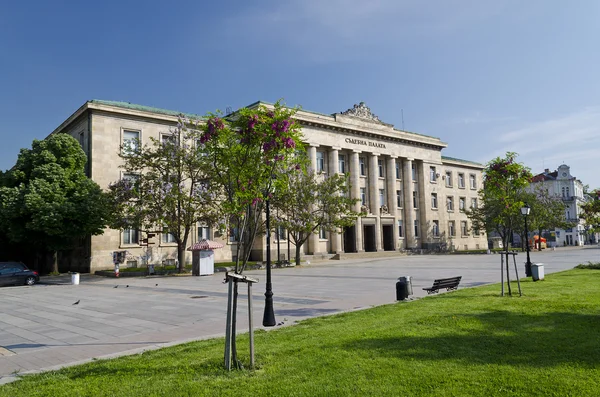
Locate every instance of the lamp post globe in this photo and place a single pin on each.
(525, 212)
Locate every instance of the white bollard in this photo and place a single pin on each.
(75, 278)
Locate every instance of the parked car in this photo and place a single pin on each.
(12, 273)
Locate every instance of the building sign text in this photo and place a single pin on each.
(365, 143)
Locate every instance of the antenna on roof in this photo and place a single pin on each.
(228, 110)
(402, 113)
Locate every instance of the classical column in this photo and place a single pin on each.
(390, 181)
(409, 211)
(335, 238)
(355, 174)
(313, 243)
(312, 155)
(374, 203)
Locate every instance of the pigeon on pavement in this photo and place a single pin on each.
(76, 303)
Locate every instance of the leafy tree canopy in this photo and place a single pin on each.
(47, 200)
(502, 196)
(251, 152)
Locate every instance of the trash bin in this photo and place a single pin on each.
(150, 269)
(537, 271)
(75, 278)
(403, 288)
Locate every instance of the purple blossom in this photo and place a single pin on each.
(281, 126)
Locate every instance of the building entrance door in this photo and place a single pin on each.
(350, 239)
(388, 238)
(369, 238)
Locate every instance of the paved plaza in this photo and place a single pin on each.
(41, 328)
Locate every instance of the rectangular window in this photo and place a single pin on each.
(399, 200)
(451, 229)
(463, 228)
(414, 172)
(81, 140)
(130, 236)
(131, 142)
(400, 228)
(362, 165)
(398, 174)
(280, 233)
(381, 170)
(435, 228)
(434, 202)
(133, 178)
(341, 164)
(450, 203)
(432, 174)
(382, 197)
(203, 233)
(322, 233)
(363, 196)
(320, 162)
(168, 238)
(234, 234)
(461, 203)
(167, 138)
(416, 223)
(461, 181)
(472, 181)
(415, 200)
(473, 203)
(448, 179)
(131, 264)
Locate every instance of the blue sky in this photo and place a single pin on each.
(485, 76)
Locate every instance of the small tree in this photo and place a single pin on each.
(311, 202)
(48, 201)
(249, 152)
(167, 186)
(502, 196)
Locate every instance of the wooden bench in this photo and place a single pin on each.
(448, 283)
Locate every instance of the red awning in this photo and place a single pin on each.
(205, 245)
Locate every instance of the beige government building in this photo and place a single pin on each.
(413, 196)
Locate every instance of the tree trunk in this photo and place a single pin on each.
(55, 262)
(234, 326)
(539, 239)
(181, 256)
(298, 248)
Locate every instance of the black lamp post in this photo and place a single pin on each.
(269, 314)
(525, 211)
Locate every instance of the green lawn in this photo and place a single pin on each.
(466, 343)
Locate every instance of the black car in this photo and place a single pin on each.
(17, 273)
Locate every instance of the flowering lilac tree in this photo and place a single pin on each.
(167, 186)
(250, 152)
